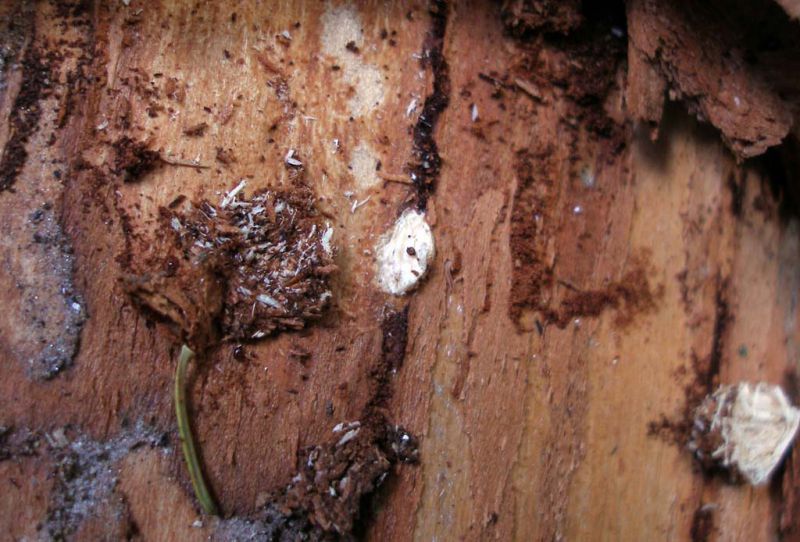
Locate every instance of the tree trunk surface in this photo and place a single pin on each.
(612, 192)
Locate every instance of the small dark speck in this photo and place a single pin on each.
(163, 440)
(238, 352)
(411, 252)
(36, 216)
(743, 351)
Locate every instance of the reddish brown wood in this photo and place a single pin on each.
(589, 282)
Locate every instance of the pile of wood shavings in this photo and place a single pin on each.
(333, 478)
(240, 270)
(273, 251)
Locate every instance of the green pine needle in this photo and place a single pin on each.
(185, 432)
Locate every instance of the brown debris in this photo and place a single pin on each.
(333, 478)
(529, 235)
(630, 296)
(196, 130)
(702, 523)
(790, 502)
(395, 336)
(327, 493)
(583, 66)
(134, 159)
(24, 118)
(427, 162)
(225, 156)
(523, 18)
(175, 89)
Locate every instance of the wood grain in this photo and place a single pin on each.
(531, 427)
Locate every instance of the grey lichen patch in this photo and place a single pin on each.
(86, 475)
(51, 311)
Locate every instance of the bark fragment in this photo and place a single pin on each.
(699, 55)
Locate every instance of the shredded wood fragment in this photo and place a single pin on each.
(291, 160)
(528, 88)
(412, 106)
(181, 162)
(357, 204)
(230, 196)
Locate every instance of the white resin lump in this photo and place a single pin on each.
(746, 429)
(404, 253)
